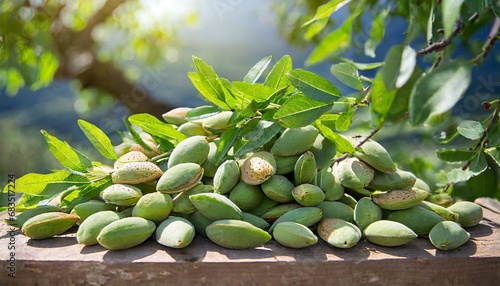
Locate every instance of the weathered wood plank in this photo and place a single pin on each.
(61, 260)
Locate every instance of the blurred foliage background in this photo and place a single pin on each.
(101, 60)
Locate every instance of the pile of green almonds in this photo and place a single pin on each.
(292, 190)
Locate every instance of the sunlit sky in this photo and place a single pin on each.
(231, 35)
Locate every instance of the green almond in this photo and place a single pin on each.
(279, 189)
(302, 139)
(181, 177)
(389, 233)
(175, 232)
(49, 224)
(153, 206)
(121, 195)
(182, 204)
(399, 180)
(294, 235)
(236, 234)
(226, 177)
(194, 149)
(417, 218)
(308, 195)
(469, 213)
(336, 209)
(135, 173)
(307, 216)
(126, 233)
(246, 196)
(366, 212)
(304, 170)
(339, 233)
(84, 210)
(215, 206)
(89, 230)
(448, 235)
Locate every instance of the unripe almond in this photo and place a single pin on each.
(258, 168)
(135, 173)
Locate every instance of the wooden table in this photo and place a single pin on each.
(61, 261)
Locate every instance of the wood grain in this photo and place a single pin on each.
(62, 261)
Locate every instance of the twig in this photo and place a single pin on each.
(99, 17)
(492, 37)
(443, 43)
(437, 61)
(374, 131)
(360, 143)
(368, 96)
(486, 131)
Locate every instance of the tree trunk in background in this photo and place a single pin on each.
(77, 60)
(106, 77)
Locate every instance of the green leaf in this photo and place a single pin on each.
(163, 145)
(363, 66)
(247, 112)
(232, 101)
(450, 10)
(342, 144)
(256, 71)
(227, 140)
(459, 175)
(348, 75)
(99, 139)
(325, 10)
(85, 194)
(277, 76)
(206, 83)
(276, 96)
(313, 86)
(399, 64)
(14, 81)
(399, 107)
(46, 69)
(315, 28)
(470, 129)
(300, 110)
(66, 155)
(333, 44)
(137, 138)
(412, 30)
(249, 92)
(201, 112)
(344, 121)
(206, 90)
(329, 120)
(28, 201)
(47, 184)
(262, 133)
(494, 136)
(430, 23)
(154, 126)
(438, 91)
(478, 163)
(455, 156)
(382, 100)
(495, 154)
(376, 33)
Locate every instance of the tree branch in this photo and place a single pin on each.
(77, 60)
(101, 16)
(106, 77)
(443, 43)
(486, 131)
(360, 143)
(492, 37)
